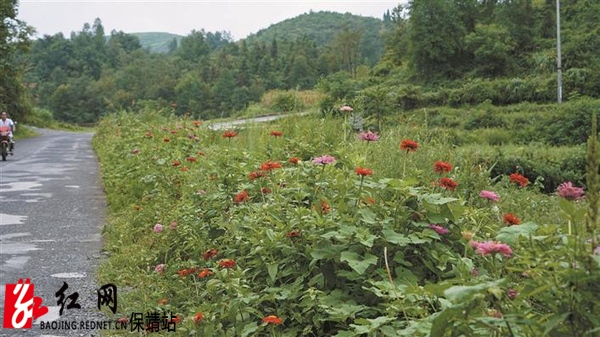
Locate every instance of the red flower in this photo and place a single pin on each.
(294, 160)
(229, 134)
(363, 171)
(227, 263)
(184, 272)
(174, 131)
(197, 123)
(519, 179)
(276, 133)
(292, 234)
(205, 273)
(241, 197)
(272, 319)
(442, 167)
(325, 208)
(369, 200)
(448, 183)
(209, 254)
(198, 317)
(191, 159)
(166, 140)
(511, 219)
(137, 208)
(268, 166)
(200, 153)
(185, 169)
(123, 320)
(409, 145)
(175, 163)
(265, 190)
(175, 319)
(257, 174)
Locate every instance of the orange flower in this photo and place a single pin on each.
(265, 190)
(442, 167)
(197, 123)
(409, 145)
(363, 171)
(227, 263)
(276, 133)
(175, 163)
(294, 160)
(175, 319)
(137, 208)
(241, 197)
(519, 179)
(210, 254)
(268, 166)
(325, 208)
(166, 140)
(174, 132)
(205, 273)
(257, 174)
(163, 301)
(369, 200)
(185, 169)
(198, 317)
(229, 134)
(448, 183)
(191, 159)
(272, 319)
(200, 153)
(511, 219)
(292, 234)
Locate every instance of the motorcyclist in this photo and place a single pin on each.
(5, 121)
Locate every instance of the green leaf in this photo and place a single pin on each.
(554, 321)
(272, 269)
(511, 234)
(458, 293)
(395, 238)
(249, 328)
(368, 216)
(357, 263)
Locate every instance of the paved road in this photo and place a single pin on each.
(51, 213)
(231, 124)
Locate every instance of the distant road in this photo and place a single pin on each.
(51, 213)
(232, 124)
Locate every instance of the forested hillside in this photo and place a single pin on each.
(158, 42)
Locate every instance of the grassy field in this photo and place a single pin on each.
(258, 235)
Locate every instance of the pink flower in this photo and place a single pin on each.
(201, 192)
(597, 250)
(368, 136)
(512, 293)
(173, 225)
(490, 247)
(324, 160)
(158, 228)
(568, 191)
(489, 195)
(159, 268)
(346, 108)
(439, 229)
(135, 151)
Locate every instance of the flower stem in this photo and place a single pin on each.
(362, 178)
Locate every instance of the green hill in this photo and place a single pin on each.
(156, 42)
(322, 27)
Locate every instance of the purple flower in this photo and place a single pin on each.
(368, 136)
(159, 268)
(597, 250)
(158, 228)
(346, 108)
(489, 195)
(324, 160)
(439, 229)
(512, 293)
(568, 191)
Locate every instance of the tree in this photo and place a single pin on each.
(347, 46)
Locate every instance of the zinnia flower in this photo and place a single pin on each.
(241, 197)
(294, 160)
(268, 166)
(175, 319)
(197, 123)
(265, 190)
(210, 253)
(191, 159)
(163, 301)
(324, 160)
(135, 151)
(448, 183)
(175, 163)
(198, 317)
(369, 200)
(363, 171)
(368, 136)
(489, 247)
(166, 139)
(205, 273)
(439, 229)
(276, 133)
(409, 145)
(346, 108)
(185, 169)
(229, 134)
(519, 179)
(292, 234)
(227, 263)
(158, 228)
(568, 191)
(489, 195)
(159, 268)
(123, 320)
(442, 167)
(200, 153)
(257, 174)
(174, 132)
(512, 293)
(511, 219)
(325, 208)
(597, 250)
(272, 319)
(148, 134)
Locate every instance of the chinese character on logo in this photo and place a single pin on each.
(20, 307)
(61, 301)
(107, 295)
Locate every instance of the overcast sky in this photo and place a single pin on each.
(180, 17)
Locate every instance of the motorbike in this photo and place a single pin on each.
(4, 141)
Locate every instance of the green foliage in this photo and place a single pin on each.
(158, 42)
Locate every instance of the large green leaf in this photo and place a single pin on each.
(458, 293)
(395, 238)
(511, 234)
(358, 263)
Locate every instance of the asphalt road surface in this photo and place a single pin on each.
(51, 214)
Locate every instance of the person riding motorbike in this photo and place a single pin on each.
(5, 121)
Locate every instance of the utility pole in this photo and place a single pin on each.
(558, 55)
